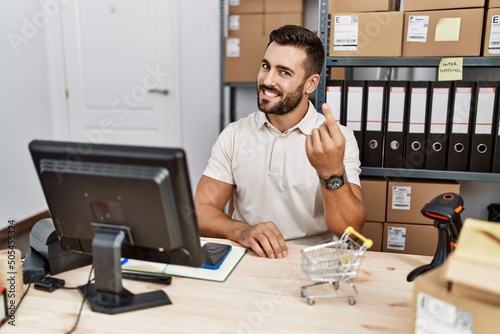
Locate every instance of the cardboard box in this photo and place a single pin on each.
(438, 307)
(374, 231)
(358, 6)
(283, 6)
(243, 57)
(443, 33)
(477, 254)
(406, 198)
(493, 3)
(374, 198)
(366, 34)
(491, 40)
(410, 239)
(274, 21)
(417, 5)
(245, 25)
(246, 6)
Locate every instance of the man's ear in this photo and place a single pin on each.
(311, 83)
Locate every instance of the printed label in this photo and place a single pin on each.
(494, 40)
(417, 28)
(232, 47)
(345, 33)
(401, 197)
(396, 238)
(437, 316)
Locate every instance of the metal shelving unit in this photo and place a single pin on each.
(320, 94)
(413, 62)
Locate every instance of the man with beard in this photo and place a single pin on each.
(293, 172)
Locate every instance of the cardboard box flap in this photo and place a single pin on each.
(476, 259)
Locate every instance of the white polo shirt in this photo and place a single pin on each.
(273, 178)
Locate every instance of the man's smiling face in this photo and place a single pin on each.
(281, 79)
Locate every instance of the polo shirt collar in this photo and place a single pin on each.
(306, 124)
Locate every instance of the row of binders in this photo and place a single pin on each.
(441, 125)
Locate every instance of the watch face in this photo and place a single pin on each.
(334, 183)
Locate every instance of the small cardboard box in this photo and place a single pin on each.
(478, 254)
(443, 33)
(246, 6)
(374, 198)
(276, 20)
(245, 25)
(410, 239)
(283, 6)
(491, 40)
(439, 307)
(417, 5)
(366, 34)
(374, 231)
(358, 6)
(243, 57)
(406, 198)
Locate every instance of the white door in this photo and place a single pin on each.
(121, 60)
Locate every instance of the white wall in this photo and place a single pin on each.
(25, 105)
(24, 109)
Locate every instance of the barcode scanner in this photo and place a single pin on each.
(445, 209)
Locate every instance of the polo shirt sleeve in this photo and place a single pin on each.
(351, 157)
(220, 162)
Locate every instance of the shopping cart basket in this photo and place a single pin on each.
(333, 262)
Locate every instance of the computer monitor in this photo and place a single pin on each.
(115, 202)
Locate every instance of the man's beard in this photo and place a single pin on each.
(287, 104)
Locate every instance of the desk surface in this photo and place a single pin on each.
(260, 296)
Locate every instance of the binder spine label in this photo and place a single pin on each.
(484, 114)
(461, 110)
(417, 110)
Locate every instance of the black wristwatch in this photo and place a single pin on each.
(333, 182)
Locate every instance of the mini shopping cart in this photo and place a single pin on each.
(331, 263)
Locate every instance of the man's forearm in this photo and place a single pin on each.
(343, 207)
(215, 223)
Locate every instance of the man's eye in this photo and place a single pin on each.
(285, 73)
(266, 66)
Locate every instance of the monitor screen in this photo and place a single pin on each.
(138, 198)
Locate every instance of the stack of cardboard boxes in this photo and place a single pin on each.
(249, 23)
(414, 28)
(393, 218)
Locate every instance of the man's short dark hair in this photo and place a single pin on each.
(305, 39)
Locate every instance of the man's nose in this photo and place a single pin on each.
(270, 78)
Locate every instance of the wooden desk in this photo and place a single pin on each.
(260, 296)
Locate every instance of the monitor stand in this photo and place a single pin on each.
(107, 294)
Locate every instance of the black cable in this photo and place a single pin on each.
(83, 301)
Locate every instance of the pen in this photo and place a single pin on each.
(162, 279)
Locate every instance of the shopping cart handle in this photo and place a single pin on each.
(368, 243)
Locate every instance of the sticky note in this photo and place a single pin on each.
(450, 69)
(448, 29)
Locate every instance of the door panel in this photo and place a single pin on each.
(121, 71)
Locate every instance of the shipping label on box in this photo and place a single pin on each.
(346, 33)
(401, 197)
(494, 35)
(396, 238)
(438, 316)
(232, 47)
(417, 28)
